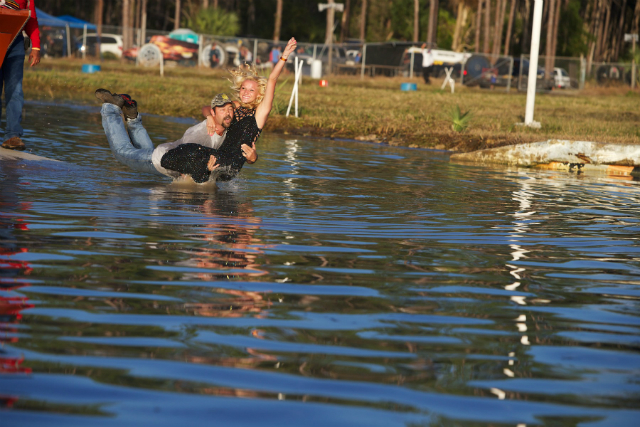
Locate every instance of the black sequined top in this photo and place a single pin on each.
(192, 159)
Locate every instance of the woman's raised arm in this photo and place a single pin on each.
(263, 110)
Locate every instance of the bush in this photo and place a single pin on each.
(214, 21)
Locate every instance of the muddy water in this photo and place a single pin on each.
(334, 283)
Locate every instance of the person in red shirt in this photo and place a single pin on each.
(11, 74)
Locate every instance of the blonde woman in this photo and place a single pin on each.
(255, 99)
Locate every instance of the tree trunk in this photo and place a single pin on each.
(363, 21)
(548, 67)
(125, 24)
(554, 39)
(604, 45)
(458, 30)
(143, 23)
(478, 25)
(619, 39)
(496, 29)
(278, 24)
(346, 20)
(596, 29)
(136, 24)
(486, 48)
(176, 19)
(526, 32)
(416, 20)
(507, 40)
(501, 7)
(99, 9)
(433, 23)
(205, 4)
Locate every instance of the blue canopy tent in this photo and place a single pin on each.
(66, 22)
(46, 20)
(77, 22)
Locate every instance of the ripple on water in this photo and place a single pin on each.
(332, 284)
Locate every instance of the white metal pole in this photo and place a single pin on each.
(533, 63)
(84, 41)
(295, 85)
(255, 51)
(633, 62)
(411, 65)
(68, 41)
(363, 59)
(298, 77)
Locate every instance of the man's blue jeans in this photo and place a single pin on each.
(134, 148)
(11, 79)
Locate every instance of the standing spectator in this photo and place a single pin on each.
(11, 74)
(275, 55)
(247, 56)
(427, 63)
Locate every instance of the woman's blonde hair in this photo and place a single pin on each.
(247, 72)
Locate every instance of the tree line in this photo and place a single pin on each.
(594, 29)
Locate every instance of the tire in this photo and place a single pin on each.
(474, 66)
(149, 55)
(213, 57)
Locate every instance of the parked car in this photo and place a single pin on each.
(109, 43)
(561, 78)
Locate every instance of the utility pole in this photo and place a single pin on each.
(332, 7)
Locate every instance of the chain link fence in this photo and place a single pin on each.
(185, 48)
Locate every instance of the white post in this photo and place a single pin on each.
(84, 41)
(363, 59)
(633, 62)
(411, 65)
(297, 68)
(255, 51)
(533, 64)
(68, 41)
(583, 71)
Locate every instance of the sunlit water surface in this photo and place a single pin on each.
(334, 283)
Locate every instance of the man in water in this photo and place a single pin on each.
(134, 148)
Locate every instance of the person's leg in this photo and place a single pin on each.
(425, 74)
(12, 73)
(136, 158)
(138, 134)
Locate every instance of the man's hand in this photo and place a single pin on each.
(34, 57)
(250, 153)
(212, 163)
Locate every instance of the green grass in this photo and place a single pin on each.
(350, 107)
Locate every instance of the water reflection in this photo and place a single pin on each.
(13, 275)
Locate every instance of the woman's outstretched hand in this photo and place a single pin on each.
(211, 165)
(250, 153)
(291, 46)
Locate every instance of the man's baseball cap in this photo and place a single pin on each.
(220, 100)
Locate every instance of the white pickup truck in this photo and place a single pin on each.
(441, 60)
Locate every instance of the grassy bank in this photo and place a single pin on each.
(365, 109)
